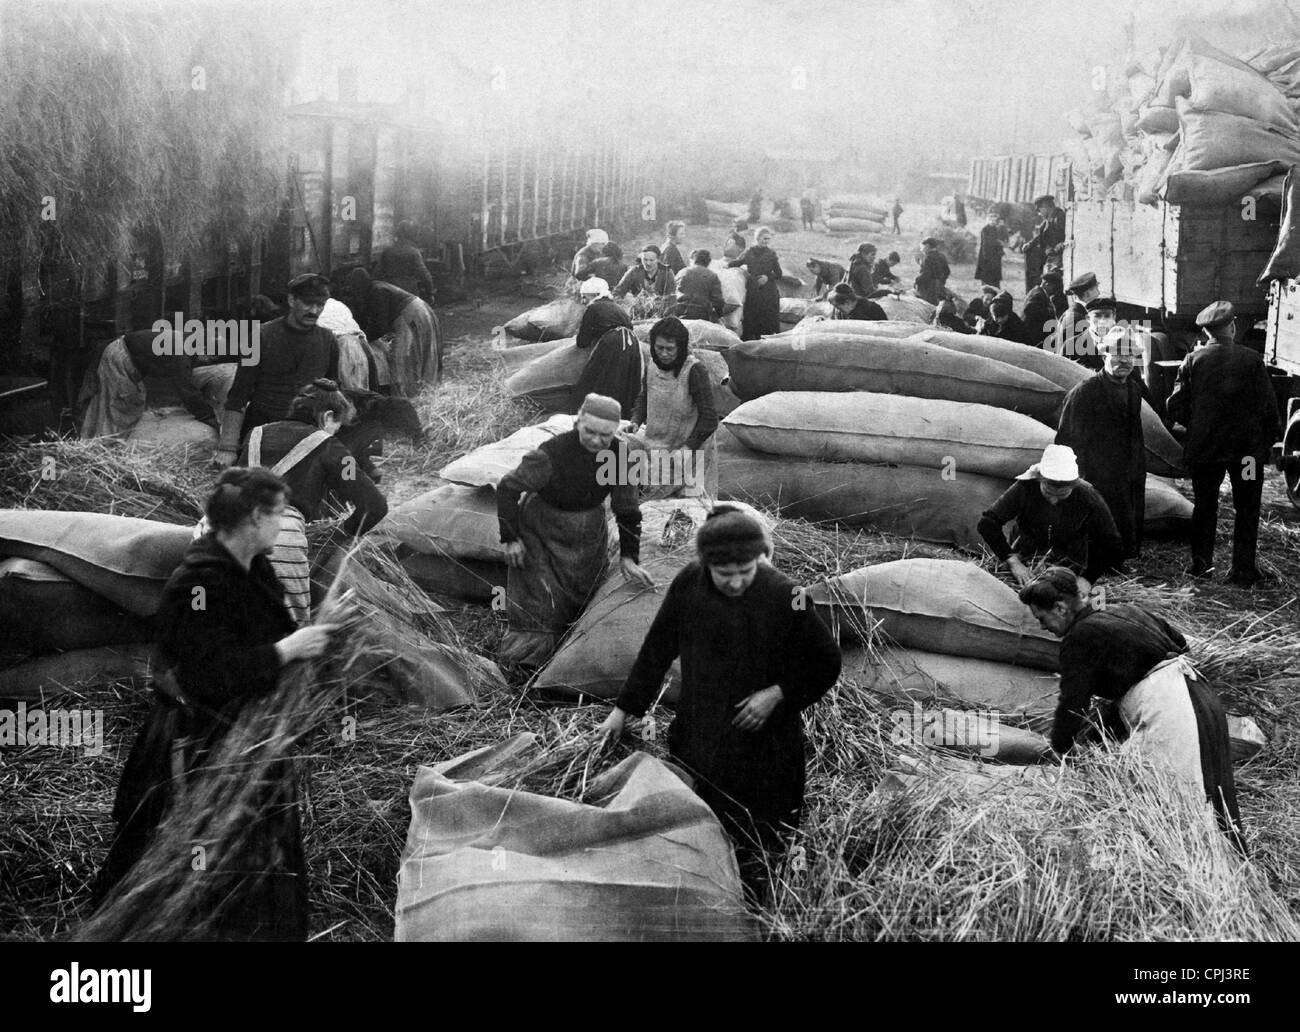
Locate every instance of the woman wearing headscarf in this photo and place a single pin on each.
(676, 416)
(763, 298)
(217, 657)
(751, 663)
(614, 369)
(1127, 655)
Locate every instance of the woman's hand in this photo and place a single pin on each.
(305, 643)
(515, 553)
(1019, 570)
(754, 710)
(762, 281)
(635, 573)
(611, 728)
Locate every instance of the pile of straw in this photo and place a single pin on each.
(161, 898)
(102, 475)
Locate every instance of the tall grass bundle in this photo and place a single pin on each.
(1110, 850)
(161, 898)
(105, 476)
(188, 150)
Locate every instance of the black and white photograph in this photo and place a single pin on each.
(588, 471)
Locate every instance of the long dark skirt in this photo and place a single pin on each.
(259, 894)
(565, 554)
(762, 311)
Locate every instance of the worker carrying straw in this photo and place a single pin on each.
(752, 659)
(1130, 656)
(551, 510)
(225, 636)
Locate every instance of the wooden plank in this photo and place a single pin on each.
(1138, 255)
(1283, 345)
(1215, 255)
(1091, 229)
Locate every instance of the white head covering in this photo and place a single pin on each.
(597, 236)
(337, 318)
(1058, 464)
(594, 286)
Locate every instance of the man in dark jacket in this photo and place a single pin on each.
(1044, 305)
(1072, 338)
(699, 290)
(610, 265)
(672, 252)
(402, 264)
(295, 351)
(883, 271)
(1102, 421)
(932, 280)
(1044, 250)
(1005, 324)
(1057, 514)
(848, 305)
(1224, 397)
(752, 660)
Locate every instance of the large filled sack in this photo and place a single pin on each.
(513, 359)
(890, 428)
(907, 308)
(1164, 454)
(646, 860)
(52, 674)
(1284, 262)
(173, 428)
(905, 500)
(731, 209)
(853, 211)
(858, 202)
(1216, 86)
(734, 284)
(549, 379)
(829, 361)
(1167, 510)
(793, 309)
(41, 610)
(911, 676)
(894, 329)
(454, 520)
(848, 225)
(597, 653)
(1215, 139)
(466, 580)
(938, 605)
(705, 335)
(486, 466)
(1220, 185)
(551, 321)
(123, 559)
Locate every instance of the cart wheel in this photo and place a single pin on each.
(1291, 459)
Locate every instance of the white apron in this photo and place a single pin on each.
(671, 415)
(1162, 723)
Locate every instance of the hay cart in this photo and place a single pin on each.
(1282, 350)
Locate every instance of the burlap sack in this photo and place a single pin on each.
(823, 360)
(863, 426)
(647, 861)
(938, 605)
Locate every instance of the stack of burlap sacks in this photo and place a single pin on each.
(1193, 126)
(855, 215)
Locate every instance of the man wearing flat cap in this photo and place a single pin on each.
(1072, 338)
(1101, 420)
(1044, 306)
(551, 511)
(1044, 249)
(1224, 397)
(295, 350)
(752, 659)
(1058, 515)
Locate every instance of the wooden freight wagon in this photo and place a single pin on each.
(1282, 350)
(1173, 258)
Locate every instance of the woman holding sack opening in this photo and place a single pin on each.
(763, 298)
(317, 467)
(1135, 658)
(225, 636)
(676, 417)
(753, 659)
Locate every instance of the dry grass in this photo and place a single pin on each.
(1104, 855)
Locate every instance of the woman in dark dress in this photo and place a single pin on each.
(762, 298)
(988, 262)
(751, 664)
(225, 636)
